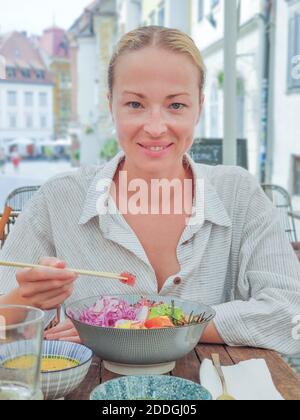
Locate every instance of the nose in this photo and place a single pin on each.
(155, 126)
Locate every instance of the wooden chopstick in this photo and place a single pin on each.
(80, 272)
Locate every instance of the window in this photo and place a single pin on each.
(43, 99)
(40, 74)
(152, 18)
(25, 73)
(28, 99)
(12, 121)
(200, 10)
(296, 175)
(161, 15)
(11, 73)
(28, 121)
(214, 112)
(43, 121)
(214, 3)
(240, 108)
(294, 53)
(12, 98)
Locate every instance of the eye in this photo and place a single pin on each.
(134, 105)
(177, 106)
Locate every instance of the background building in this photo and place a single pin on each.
(55, 51)
(129, 15)
(207, 31)
(92, 38)
(169, 13)
(286, 147)
(26, 95)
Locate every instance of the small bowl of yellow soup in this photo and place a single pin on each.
(64, 366)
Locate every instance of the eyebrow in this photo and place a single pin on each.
(143, 96)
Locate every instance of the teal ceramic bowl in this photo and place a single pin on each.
(150, 388)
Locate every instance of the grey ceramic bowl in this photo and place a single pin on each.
(150, 388)
(141, 347)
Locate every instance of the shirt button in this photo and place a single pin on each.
(177, 281)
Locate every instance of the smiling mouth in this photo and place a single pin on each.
(156, 148)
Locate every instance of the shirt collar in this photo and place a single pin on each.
(214, 210)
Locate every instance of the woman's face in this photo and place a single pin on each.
(155, 107)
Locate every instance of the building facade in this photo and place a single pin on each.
(129, 14)
(26, 93)
(56, 54)
(169, 13)
(207, 31)
(286, 147)
(92, 38)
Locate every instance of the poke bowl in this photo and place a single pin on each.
(136, 335)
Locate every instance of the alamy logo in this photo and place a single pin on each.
(296, 67)
(162, 197)
(2, 67)
(2, 328)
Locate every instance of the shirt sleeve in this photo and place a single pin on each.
(29, 240)
(267, 289)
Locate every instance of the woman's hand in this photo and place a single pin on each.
(63, 332)
(46, 288)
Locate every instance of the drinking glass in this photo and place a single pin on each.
(21, 336)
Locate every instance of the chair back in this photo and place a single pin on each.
(282, 201)
(19, 197)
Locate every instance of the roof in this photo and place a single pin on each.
(54, 43)
(84, 21)
(23, 60)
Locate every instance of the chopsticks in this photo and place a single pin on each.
(125, 278)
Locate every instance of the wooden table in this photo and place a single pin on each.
(285, 379)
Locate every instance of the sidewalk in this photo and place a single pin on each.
(30, 173)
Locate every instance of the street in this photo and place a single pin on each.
(29, 174)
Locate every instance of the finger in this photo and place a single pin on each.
(75, 340)
(52, 262)
(55, 302)
(42, 274)
(68, 325)
(48, 301)
(30, 289)
(63, 334)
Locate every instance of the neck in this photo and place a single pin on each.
(178, 171)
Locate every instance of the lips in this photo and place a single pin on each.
(155, 147)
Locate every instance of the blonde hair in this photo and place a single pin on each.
(158, 36)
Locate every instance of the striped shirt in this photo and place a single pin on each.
(238, 260)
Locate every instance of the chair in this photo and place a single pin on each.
(282, 201)
(19, 197)
(7, 220)
(14, 205)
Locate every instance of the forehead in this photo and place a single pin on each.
(152, 69)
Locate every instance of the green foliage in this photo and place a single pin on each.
(110, 149)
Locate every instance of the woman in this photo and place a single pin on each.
(225, 248)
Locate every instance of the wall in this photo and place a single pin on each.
(36, 132)
(287, 107)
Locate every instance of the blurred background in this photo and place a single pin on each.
(53, 64)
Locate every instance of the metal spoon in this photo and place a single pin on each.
(217, 364)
